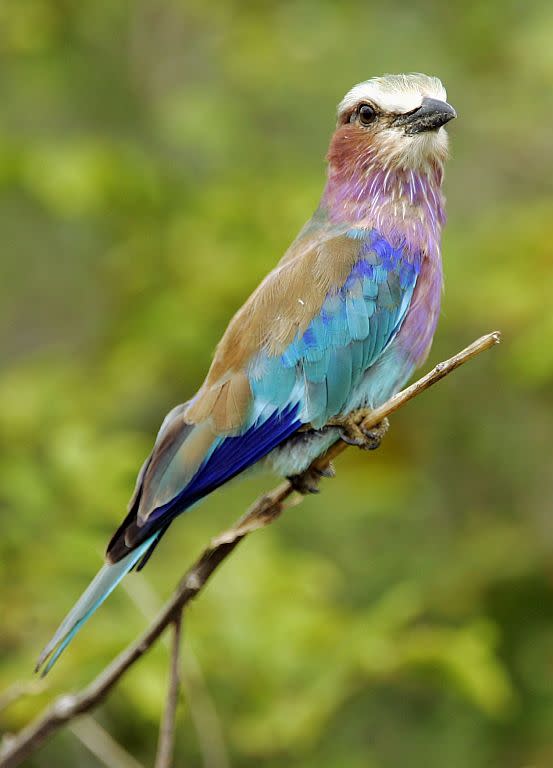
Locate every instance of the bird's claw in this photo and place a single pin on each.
(308, 481)
(353, 432)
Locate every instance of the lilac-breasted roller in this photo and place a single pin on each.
(339, 324)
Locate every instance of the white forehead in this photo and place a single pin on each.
(394, 93)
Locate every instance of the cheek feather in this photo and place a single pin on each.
(350, 148)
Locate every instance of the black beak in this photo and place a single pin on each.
(430, 116)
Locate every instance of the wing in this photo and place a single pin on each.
(203, 443)
(291, 356)
(323, 363)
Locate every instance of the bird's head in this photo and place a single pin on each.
(395, 121)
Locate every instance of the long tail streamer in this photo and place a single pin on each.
(103, 584)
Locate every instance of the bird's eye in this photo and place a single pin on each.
(366, 114)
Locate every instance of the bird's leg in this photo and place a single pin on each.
(308, 481)
(353, 432)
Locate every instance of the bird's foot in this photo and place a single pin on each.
(308, 481)
(353, 431)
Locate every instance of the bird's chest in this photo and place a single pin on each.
(409, 342)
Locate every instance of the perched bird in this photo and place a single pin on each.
(338, 325)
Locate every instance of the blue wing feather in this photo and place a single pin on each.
(230, 456)
(357, 317)
(338, 379)
(316, 398)
(354, 327)
(356, 349)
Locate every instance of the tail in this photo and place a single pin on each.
(105, 581)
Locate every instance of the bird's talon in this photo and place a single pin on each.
(354, 433)
(302, 484)
(348, 436)
(371, 442)
(308, 481)
(327, 471)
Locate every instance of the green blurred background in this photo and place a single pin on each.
(156, 158)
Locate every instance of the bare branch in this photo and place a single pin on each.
(263, 512)
(166, 745)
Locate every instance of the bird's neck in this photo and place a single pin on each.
(406, 206)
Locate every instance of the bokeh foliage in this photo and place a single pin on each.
(156, 158)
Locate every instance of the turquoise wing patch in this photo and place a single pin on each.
(321, 367)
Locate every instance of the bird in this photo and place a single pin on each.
(334, 330)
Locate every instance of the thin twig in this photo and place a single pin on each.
(99, 742)
(203, 712)
(204, 715)
(166, 744)
(19, 690)
(264, 511)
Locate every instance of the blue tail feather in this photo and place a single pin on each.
(103, 584)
